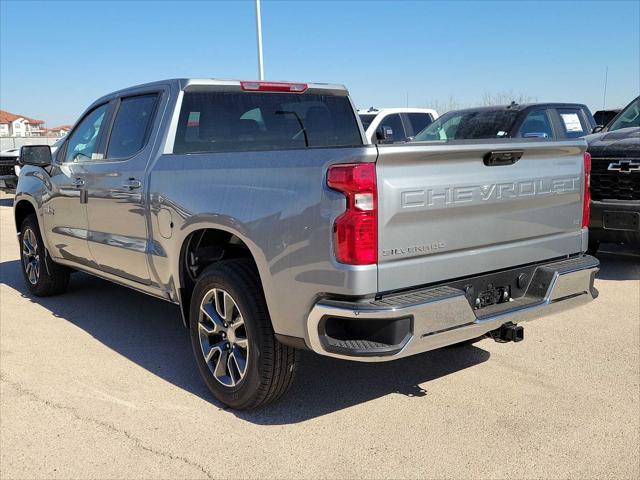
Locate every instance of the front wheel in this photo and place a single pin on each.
(42, 278)
(237, 353)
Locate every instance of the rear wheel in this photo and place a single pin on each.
(593, 247)
(237, 353)
(42, 276)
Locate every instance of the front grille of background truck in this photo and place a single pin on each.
(607, 184)
(7, 170)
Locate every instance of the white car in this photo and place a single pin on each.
(389, 125)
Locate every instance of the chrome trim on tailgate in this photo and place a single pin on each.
(442, 315)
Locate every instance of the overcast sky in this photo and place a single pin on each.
(57, 57)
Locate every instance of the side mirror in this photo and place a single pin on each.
(597, 129)
(38, 155)
(384, 134)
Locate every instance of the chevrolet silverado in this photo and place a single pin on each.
(263, 212)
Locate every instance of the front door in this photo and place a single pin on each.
(64, 208)
(116, 203)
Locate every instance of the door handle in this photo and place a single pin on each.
(78, 182)
(132, 184)
(502, 157)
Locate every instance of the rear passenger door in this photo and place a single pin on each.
(115, 184)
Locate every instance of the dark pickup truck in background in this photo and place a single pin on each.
(8, 162)
(603, 117)
(615, 180)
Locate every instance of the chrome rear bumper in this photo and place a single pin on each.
(442, 315)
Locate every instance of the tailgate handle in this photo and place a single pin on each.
(505, 157)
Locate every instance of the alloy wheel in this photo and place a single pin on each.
(30, 256)
(223, 337)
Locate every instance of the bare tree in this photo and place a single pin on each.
(444, 106)
(488, 99)
(505, 98)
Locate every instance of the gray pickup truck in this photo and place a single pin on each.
(260, 209)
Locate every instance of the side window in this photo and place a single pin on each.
(131, 125)
(392, 124)
(572, 122)
(419, 121)
(536, 125)
(83, 142)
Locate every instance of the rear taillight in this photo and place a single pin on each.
(586, 206)
(356, 230)
(274, 87)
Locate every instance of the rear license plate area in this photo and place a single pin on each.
(493, 295)
(621, 220)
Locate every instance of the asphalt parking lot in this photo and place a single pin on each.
(100, 383)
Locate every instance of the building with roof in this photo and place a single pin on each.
(60, 131)
(14, 125)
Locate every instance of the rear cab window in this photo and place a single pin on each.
(236, 121)
(572, 122)
(367, 119)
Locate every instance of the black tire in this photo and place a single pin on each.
(43, 277)
(593, 247)
(270, 366)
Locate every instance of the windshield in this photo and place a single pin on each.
(366, 119)
(630, 117)
(470, 124)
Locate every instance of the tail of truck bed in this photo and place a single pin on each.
(448, 211)
(470, 238)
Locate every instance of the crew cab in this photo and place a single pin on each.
(554, 121)
(390, 125)
(615, 180)
(262, 210)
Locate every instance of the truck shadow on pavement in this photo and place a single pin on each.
(149, 332)
(619, 263)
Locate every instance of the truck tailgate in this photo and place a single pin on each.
(445, 213)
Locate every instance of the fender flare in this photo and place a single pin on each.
(255, 250)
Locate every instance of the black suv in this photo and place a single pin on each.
(615, 180)
(534, 120)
